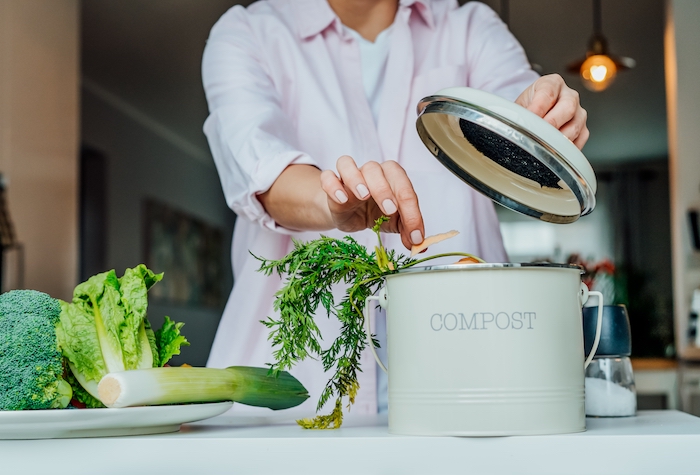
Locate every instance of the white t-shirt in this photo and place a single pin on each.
(374, 57)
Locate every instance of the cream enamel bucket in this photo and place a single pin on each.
(485, 349)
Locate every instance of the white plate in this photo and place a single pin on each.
(68, 423)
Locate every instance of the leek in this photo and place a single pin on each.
(178, 385)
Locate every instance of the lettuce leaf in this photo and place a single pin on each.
(98, 300)
(151, 336)
(134, 285)
(78, 340)
(169, 340)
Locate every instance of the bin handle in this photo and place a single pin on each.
(598, 328)
(381, 298)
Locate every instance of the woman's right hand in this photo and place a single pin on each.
(357, 196)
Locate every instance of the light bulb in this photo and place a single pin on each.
(598, 72)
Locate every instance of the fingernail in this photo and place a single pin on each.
(423, 251)
(416, 237)
(342, 197)
(362, 190)
(389, 207)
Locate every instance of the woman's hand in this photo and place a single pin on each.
(358, 196)
(550, 98)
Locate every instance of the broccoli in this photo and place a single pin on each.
(31, 364)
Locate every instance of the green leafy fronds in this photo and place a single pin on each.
(377, 226)
(331, 421)
(313, 270)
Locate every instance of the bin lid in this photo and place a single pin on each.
(508, 153)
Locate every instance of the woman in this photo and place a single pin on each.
(312, 128)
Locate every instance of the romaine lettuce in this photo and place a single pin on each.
(105, 328)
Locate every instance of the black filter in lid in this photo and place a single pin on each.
(508, 155)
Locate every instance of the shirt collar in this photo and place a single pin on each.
(423, 9)
(314, 16)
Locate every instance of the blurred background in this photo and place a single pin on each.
(105, 165)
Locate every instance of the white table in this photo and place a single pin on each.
(654, 442)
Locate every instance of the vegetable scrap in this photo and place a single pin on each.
(313, 270)
(470, 260)
(430, 240)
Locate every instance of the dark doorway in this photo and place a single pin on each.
(93, 213)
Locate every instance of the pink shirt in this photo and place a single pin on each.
(284, 86)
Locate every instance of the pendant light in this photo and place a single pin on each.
(599, 68)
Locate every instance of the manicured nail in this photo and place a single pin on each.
(423, 251)
(342, 197)
(362, 190)
(389, 207)
(416, 237)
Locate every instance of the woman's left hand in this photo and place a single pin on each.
(550, 98)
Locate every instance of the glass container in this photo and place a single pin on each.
(610, 390)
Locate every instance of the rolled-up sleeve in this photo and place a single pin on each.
(497, 62)
(251, 137)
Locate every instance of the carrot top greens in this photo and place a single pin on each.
(312, 270)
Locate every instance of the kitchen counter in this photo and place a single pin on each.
(654, 442)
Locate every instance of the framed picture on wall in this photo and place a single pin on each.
(189, 251)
